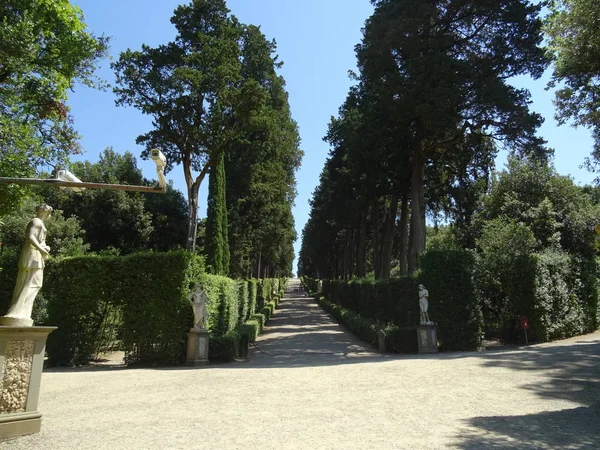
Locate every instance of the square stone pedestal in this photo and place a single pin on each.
(21, 363)
(427, 338)
(197, 349)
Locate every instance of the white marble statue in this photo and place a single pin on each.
(31, 270)
(161, 162)
(199, 301)
(424, 304)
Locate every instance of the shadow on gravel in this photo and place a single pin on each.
(573, 375)
(576, 428)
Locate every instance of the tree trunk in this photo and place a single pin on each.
(346, 255)
(259, 261)
(388, 239)
(375, 239)
(417, 217)
(403, 244)
(193, 213)
(361, 257)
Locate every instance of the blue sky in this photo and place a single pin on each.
(315, 41)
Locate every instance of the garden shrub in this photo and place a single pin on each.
(224, 348)
(251, 328)
(83, 304)
(252, 294)
(140, 299)
(261, 319)
(243, 301)
(153, 293)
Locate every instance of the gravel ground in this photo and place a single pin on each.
(311, 385)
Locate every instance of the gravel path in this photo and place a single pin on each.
(311, 385)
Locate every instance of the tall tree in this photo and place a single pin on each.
(44, 50)
(217, 244)
(446, 65)
(260, 164)
(573, 28)
(189, 87)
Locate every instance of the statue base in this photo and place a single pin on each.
(427, 338)
(197, 349)
(22, 352)
(15, 322)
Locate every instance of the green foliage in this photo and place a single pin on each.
(143, 296)
(397, 339)
(44, 50)
(244, 301)
(136, 221)
(261, 319)
(223, 305)
(441, 238)
(453, 305)
(574, 40)
(252, 296)
(83, 307)
(224, 348)
(217, 244)
(393, 300)
(251, 328)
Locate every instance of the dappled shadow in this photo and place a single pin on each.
(570, 373)
(577, 428)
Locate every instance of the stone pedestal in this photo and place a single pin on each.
(21, 363)
(197, 350)
(427, 338)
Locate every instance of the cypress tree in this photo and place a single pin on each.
(217, 244)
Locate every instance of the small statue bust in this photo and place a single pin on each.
(31, 270)
(424, 304)
(199, 301)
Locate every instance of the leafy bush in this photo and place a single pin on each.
(261, 320)
(243, 301)
(224, 348)
(251, 328)
(223, 304)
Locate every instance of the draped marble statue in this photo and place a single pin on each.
(31, 270)
(199, 301)
(424, 304)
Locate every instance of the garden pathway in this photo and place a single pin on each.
(311, 385)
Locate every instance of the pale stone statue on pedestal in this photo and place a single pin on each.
(31, 270)
(424, 304)
(199, 301)
(197, 348)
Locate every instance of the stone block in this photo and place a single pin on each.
(22, 352)
(427, 338)
(197, 349)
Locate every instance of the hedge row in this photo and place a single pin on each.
(139, 299)
(558, 293)
(453, 306)
(139, 303)
(397, 339)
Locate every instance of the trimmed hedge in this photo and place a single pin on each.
(453, 305)
(555, 291)
(448, 276)
(139, 303)
(141, 297)
(252, 296)
(394, 300)
(251, 328)
(397, 339)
